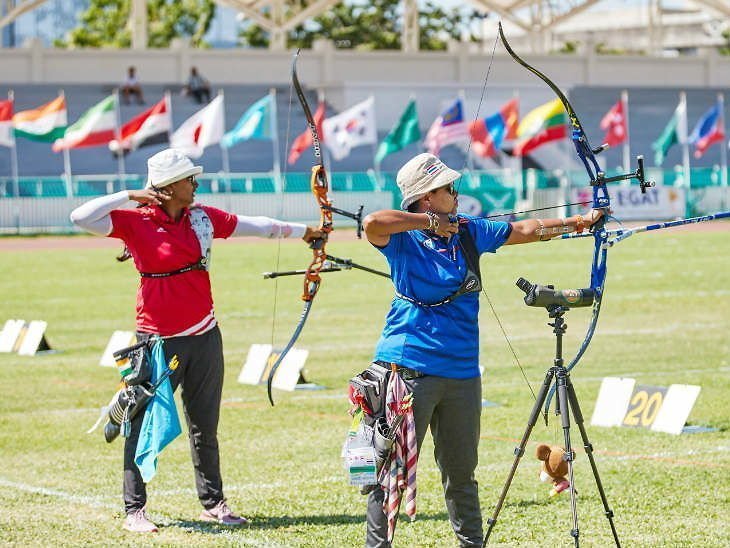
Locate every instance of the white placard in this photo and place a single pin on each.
(118, 340)
(287, 375)
(260, 359)
(34, 339)
(10, 334)
(255, 365)
(612, 402)
(678, 403)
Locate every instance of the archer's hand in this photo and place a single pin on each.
(448, 225)
(149, 196)
(311, 234)
(594, 215)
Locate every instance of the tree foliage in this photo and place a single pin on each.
(374, 25)
(105, 24)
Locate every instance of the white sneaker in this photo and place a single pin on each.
(138, 522)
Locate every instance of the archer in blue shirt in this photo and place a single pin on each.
(431, 332)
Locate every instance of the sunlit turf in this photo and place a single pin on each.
(665, 320)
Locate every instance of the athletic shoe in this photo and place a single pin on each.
(138, 522)
(222, 514)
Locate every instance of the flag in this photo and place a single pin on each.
(542, 125)
(160, 424)
(488, 134)
(6, 123)
(614, 124)
(403, 133)
(95, 127)
(448, 128)
(351, 128)
(202, 129)
(675, 132)
(304, 139)
(708, 130)
(150, 127)
(254, 124)
(45, 123)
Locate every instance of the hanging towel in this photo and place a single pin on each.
(160, 424)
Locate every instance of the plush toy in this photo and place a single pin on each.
(554, 467)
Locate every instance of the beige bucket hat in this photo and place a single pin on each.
(422, 174)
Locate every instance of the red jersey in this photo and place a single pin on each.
(181, 304)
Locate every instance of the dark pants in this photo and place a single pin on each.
(201, 95)
(200, 375)
(451, 407)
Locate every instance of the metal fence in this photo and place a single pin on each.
(42, 204)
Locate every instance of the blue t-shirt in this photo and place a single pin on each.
(441, 340)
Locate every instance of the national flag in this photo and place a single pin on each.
(150, 127)
(304, 139)
(708, 130)
(448, 128)
(614, 124)
(488, 134)
(94, 128)
(351, 128)
(45, 123)
(675, 132)
(254, 124)
(6, 123)
(542, 125)
(202, 129)
(404, 133)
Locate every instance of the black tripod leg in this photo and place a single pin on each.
(562, 381)
(519, 451)
(578, 416)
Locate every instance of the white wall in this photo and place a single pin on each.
(325, 66)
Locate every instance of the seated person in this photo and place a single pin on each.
(197, 86)
(131, 87)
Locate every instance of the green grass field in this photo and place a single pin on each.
(665, 320)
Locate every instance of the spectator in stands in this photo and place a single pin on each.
(197, 86)
(131, 87)
(170, 238)
(431, 333)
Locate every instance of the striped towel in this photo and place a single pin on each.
(399, 473)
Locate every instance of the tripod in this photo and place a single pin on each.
(566, 401)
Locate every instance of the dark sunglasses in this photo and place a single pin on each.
(450, 189)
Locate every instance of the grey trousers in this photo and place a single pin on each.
(451, 407)
(200, 374)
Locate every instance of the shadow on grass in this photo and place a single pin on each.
(280, 522)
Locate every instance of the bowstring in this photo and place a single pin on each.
(281, 208)
(483, 290)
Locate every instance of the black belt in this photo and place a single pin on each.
(406, 373)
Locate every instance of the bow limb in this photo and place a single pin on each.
(601, 200)
(320, 188)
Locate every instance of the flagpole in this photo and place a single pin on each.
(225, 160)
(118, 131)
(67, 162)
(683, 139)
(627, 144)
(469, 158)
(14, 154)
(723, 143)
(274, 121)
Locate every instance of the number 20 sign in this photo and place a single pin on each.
(622, 402)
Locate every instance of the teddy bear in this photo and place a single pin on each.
(554, 467)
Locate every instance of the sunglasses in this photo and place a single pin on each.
(450, 189)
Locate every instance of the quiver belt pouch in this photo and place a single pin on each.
(136, 358)
(368, 389)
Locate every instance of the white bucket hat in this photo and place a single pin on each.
(169, 166)
(422, 174)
